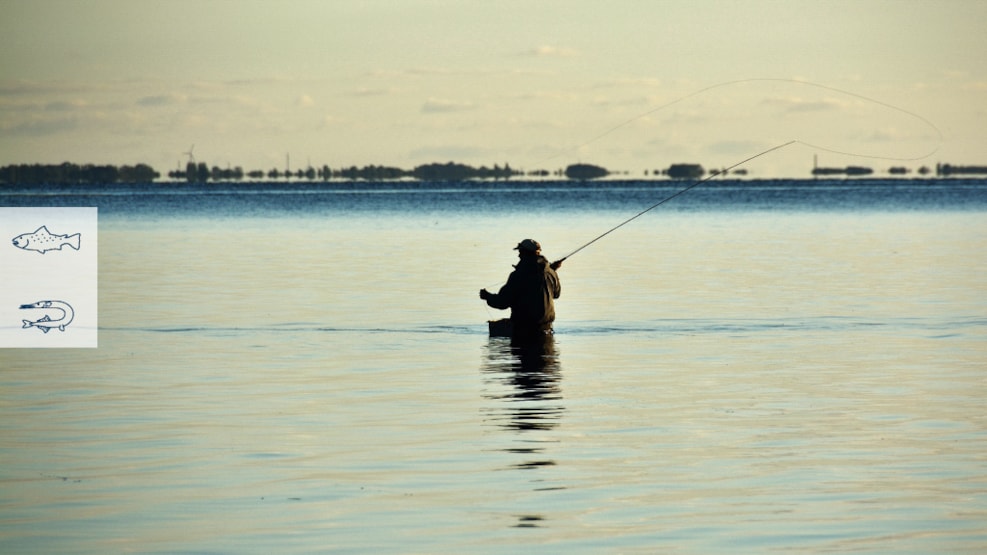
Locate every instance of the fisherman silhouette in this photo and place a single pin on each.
(530, 293)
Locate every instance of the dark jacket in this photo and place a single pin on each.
(529, 293)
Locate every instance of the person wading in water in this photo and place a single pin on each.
(530, 293)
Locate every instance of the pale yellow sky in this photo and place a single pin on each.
(533, 84)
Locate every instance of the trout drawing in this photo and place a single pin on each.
(43, 241)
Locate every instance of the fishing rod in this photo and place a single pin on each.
(670, 197)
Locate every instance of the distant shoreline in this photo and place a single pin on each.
(480, 184)
(68, 173)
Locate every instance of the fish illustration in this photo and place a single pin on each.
(45, 323)
(43, 241)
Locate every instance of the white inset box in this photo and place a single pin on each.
(48, 277)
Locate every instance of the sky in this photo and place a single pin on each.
(633, 86)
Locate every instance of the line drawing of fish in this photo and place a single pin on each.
(43, 241)
(45, 323)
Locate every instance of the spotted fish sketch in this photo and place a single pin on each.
(43, 241)
(46, 323)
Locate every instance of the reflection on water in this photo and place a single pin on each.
(525, 381)
(529, 382)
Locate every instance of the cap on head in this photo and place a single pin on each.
(529, 245)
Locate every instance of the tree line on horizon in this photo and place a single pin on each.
(200, 173)
(68, 173)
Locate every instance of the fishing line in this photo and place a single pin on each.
(925, 121)
(762, 153)
(670, 197)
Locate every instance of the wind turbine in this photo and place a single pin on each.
(191, 158)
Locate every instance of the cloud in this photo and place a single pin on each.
(366, 91)
(448, 153)
(539, 95)
(440, 105)
(735, 148)
(34, 89)
(795, 104)
(410, 72)
(41, 127)
(65, 105)
(686, 117)
(885, 135)
(635, 82)
(330, 121)
(632, 102)
(548, 51)
(160, 100)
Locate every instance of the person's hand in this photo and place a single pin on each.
(557, 264)
(484, 294)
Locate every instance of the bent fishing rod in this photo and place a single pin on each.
(670, 197)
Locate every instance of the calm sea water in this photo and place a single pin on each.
(753, 368)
